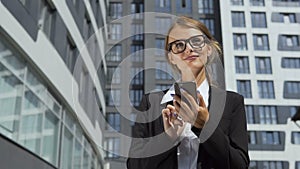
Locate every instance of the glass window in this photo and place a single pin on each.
(242, 64)
(250, 114)
(47, 19)
(266, 89)
(210, 24)
(162, 5)
(113, 75)
(261, 42)
(137, 53)
(163, 71)
(292, 87)
(297, 165)
(290, 63)
(267, 114)
(288, 17)
(115, 53)
(287, 42)
(135, 96)
(162, 86)
(113, 121)
(270, 137)
(295, 137)
(87, 28)
(113, 97)
(238, 19)
(137, 10)
(161, 24)
(251, 137)
(112, 146)
(184, 6)
(263, 65)
(240, 41)
(253, 165)
(258, 20)
(71, 54)
(115, 31)
(137, 76)
(159, 46)
(244, 88)
(237, 2)
(67, 149)
(137, 31)
(132, 119)
(257, 2)
(205, 6)
(115, 10)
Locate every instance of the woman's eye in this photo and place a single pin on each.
(179, 45)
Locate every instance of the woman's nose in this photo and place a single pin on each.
(189, 48)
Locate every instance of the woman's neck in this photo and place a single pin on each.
(198, 76)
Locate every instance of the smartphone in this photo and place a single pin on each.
(189, 87)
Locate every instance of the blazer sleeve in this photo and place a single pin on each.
(231, 150)
(143, 143)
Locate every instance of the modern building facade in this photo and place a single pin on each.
(135, 60)
(261, 60)
(52, 84)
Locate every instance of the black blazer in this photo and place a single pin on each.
(223, 140)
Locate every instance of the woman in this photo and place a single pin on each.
(211, 132)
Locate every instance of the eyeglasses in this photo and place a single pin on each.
(196, 42)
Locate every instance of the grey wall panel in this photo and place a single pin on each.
(13, 156)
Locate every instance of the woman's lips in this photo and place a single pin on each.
(192, 57)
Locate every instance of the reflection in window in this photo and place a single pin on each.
(159, 46)
(114, 54)
(270, 137)
(161, 24)
(115, 31)
(113, 121)
(162, 71)
(258, 20)
(112, 146)
(210, 24)
(136, 75)
(237, 2)
(242, 64)
(293, 63)
(113, 75)
(240, 41)
(47, 19)
(267, 114)
(261, 42)
(292, 88)
(238, 19)
(135, 96)
(287, 42)
(250, 114)
(136, 10)
(257, 2)
(263, 65)
(205, 6)
(115, 10)
(137, 32)
(137, 53)
(162, 5)
(244, 88)
(184, 6)
(266, 89)
(251, 137)
(113, 97)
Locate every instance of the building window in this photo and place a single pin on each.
(115, 10)
(132, 118)
(162, 87)
(284, 18)
(253, 165)
(263, 65)
(242, 64)
(137, 10)
(297, 165)
(113, 75)
(137, 76)
(135, 97)
(295, 137)
(266, 89)
(237, 2)
(250, 114)
(210, 24)
(293, 63)
(260, 42)
(240, 41)
(293, 110)
(286, 3)
(251, 137)
(87, 29)
(115, 31)
(162, 5)
(238, 19)
(273, 164)
(159, 46)
(47, 19)
(258, 20)
(113, 121)
(113, 97)
(291, 89)
(137, 54)
(137, 32)
(205, 6)
(289, 42)
(161, 24)
(244, 88)
(162, 71)
(267, 114)
(257, 2)
(71, 54)
(114, 54)
(184, 6)
(270, 137)
(112, 146)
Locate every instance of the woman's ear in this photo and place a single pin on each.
(209, 50)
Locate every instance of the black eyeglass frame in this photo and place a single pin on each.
(169, 47)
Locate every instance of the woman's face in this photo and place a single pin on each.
(191, 59)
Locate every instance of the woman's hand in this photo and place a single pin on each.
(197, 114)
(172, 125)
